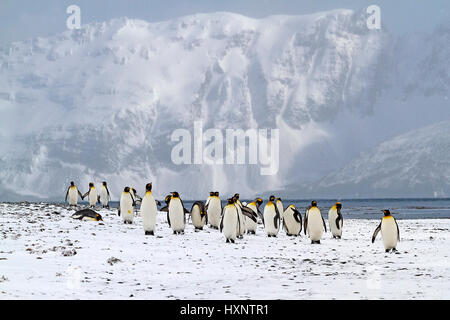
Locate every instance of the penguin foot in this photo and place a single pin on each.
(387, 250)
(232, 241)
(149, 233)
(315, 242)
(227, 241)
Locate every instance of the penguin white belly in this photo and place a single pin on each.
(73, 196)
(315, 225)
(230, 223)
(214, 212)
(269, 216)
(148, 212)
(176, 215)
(93, 197)
(293, 227)
(332, 216)
(389, 233)
(251, 225)
(126, 207)
(104, 199)
(196, 217)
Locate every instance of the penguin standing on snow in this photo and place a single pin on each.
(213, 209)
(271, 218)
(250, 224)
(292, 221)
(390, 232)
(148, 211)
(198, 215)
(91, 194)
(175, 213)
(126, 205)
(241, 225)
(314, 223)
(104, 196)
(72, 194)
(229, 222)
(335, 220)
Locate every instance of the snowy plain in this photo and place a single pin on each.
(45, 254)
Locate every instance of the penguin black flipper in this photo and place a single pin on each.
(157, 202)
(285, 226)
(164, 209)
(376, 232)
(324, 225)
(297, 216)
(168, 219)
(339, 218)
(398, 230)
(276, 219)
(306, 221)
(261, 216)
(67, 193)
(79, 193)
(221, 223)
(86, 194)
(249, 213)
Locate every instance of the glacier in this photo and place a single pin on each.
(100, 103)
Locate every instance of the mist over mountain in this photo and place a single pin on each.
(100, 103)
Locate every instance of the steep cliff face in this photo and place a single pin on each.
(101, 103)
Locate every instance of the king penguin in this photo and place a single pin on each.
(127, 205)
(104, 196)
(250, 225)
(198, 215)
(91, 194)
(389, 232)
(314, 223)
(229, 222)
(87, 215)
(292, 221)
(271, 218)
(241, 221)
(335, 220)
(176, 211)
(214, 209)
(148, 211)
(72, 194)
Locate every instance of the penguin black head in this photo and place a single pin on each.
(216, 193)
(338, 205)
(386, 212)
(231, 200)
(134, 190)
(72, 183)
(279, 199)
(211, 193)
(167, 199)
(259, 201)
(272, 198)
(148, 187)
(126, 189)
(91, 184)
(104, 183)
(236, 195)
(175, 194)
(98, 217)
(314, 203)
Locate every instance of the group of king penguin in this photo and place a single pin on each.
(233, 220)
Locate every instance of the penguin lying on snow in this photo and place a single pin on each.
(87, 215)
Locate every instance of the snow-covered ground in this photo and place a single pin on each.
(45, 254)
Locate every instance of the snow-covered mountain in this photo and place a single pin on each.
(416, 163)
(101, 103)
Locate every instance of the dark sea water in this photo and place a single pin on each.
(368, 208)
